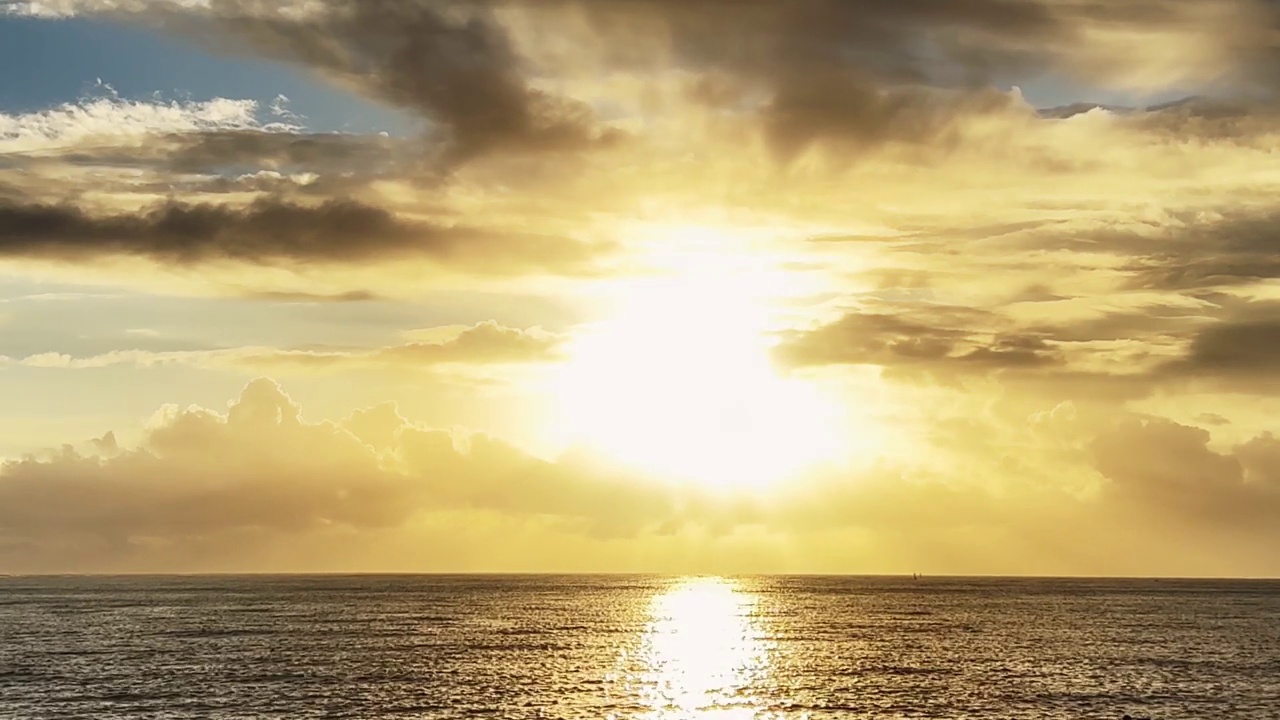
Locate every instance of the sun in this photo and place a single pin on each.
(678, 382)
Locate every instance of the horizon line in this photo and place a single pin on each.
(673, 575)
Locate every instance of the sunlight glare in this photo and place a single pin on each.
(702, 652)
(679, 381)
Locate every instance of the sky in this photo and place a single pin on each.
(826, 286)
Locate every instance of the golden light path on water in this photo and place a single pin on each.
(702, 651)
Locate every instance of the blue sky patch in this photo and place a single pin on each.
(51, 62)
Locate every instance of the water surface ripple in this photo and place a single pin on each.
(373, 647)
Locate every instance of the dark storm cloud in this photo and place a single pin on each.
(267, 231)
(1233, 346)
(896, 341)
(1150, 323)
(852, 71)
(312, 152)
(1228, 249)
(860, 72)
(452, 63)
(858, 114)
(857, 72)
(1243, 348)
(763, 38)
(868, 72)
(205, 150)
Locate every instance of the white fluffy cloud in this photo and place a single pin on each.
(70, 8)
(113, 120)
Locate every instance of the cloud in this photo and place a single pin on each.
(487, 343)
(320, 153)
(489, 81)
(455, 66)
(275, 231)
(231, 469)
(896, 341)
(778, 41)
(352, 296)
(1108, 254)
(1209, 120)
(835, 80)
(1212, 248)
(110, 118)
(61, 9)
(1237, 354)
(799, 50)
(857, 115)
(246, 189)
(261, 468)
(157, 147)
(1163, 468)
(484, 343)
(259, 486)
(936, 42)
(202, 152)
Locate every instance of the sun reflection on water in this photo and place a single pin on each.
(702, 652)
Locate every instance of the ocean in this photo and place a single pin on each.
(373, 647)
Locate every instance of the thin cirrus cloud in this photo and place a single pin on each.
(487, 343)
(895, 340)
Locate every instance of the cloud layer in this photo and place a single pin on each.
(267, 231)
(210, 490)
(1033, 241)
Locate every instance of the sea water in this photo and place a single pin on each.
(373, 647)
